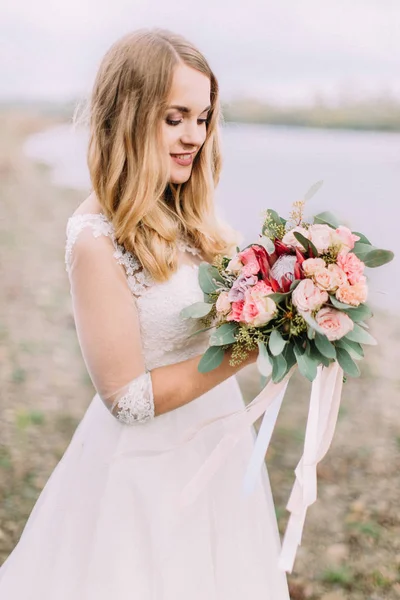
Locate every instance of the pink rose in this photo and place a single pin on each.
(311, 265)
(339, 276)
(345, 237)
(325, 279)
(249, 259)
(353, 294)
(223, 305)
(321, 237)
(308, 297)
(258, 308)
(351, 265)
(236, 311)
(289, 239)
(235, 265)
(335, 323)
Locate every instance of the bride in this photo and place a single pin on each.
(108, 524)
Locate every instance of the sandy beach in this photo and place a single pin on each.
(351, 541)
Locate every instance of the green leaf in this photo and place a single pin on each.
(362, 237)
(196, 310)
(200, 331)
(324, 346)
(307, 365)
(313, 190)
(353, 348)
(264, 363)
(211, 359)
(274, 216)
(377, 258)
(318, 357)
(327, 218)
(267, 243)
(340, 305)
(309, 319)
(276, 343)
(294, 284)
(347, 363)
(358, 313)
(358, 334)
(225, 334)
(279, 368)
(208, 275)
(307, 244)
(278, 296)
(289, 356)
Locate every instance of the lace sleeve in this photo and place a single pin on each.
(107, 322)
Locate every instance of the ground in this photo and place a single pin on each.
(351, 540)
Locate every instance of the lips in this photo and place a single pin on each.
(184, 159)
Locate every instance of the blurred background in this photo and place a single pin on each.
(310, 91)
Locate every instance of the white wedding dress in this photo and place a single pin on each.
(109, 525)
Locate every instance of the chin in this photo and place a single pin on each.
(180, 177)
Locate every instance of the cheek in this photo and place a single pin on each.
(169, 136)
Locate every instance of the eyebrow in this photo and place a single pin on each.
(186, 110)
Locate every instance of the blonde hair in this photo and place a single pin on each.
(129, 170)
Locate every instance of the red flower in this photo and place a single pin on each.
(262, 258)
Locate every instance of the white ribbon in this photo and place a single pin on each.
(322, 417)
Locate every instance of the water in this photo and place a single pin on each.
(270, 167)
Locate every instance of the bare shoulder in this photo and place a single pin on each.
(90, 205)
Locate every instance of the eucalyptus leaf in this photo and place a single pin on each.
(313, 190)
(294, 284)
(196, 310)
(362, 250)
(362, 237)
(307, 244)
(278, 296)
(274, 216)
(324, 346)
(358, 313)
(289, 356)
(276, 343)
(200, 331)
(211, 359)
(307, 365)
(353, 348)
(318, 357)
(279, 368)
(358, 334)
(327, 218)
(377, 258)
(347, 363)
(208, 275)
(267, 243)
(225, 334)
(309, 319)
(264, 363)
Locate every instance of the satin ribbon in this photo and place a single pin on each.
(321, 422)
(322, 417)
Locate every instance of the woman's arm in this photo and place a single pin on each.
(108, 329)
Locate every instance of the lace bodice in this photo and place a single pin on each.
(164, 334)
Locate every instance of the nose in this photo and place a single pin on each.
(193, 135)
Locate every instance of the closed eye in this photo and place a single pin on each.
(174, 123)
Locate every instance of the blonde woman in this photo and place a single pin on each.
(108, 524)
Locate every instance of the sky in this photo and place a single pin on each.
(282, 50)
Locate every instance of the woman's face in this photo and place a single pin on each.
(184, 123)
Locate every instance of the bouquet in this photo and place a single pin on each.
(299, 296)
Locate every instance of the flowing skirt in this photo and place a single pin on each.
(108, 524)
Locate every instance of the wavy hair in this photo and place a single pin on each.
(128, 168)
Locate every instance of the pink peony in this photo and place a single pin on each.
(339, 276)
(344, 237)
(289, 239)
(249, 259)
(351, 265)
(353, 294)
(335, 323)
(321, 237)
(223, 305)
(236, 311)
(258, 308)
(308, 297)
(311, 265)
